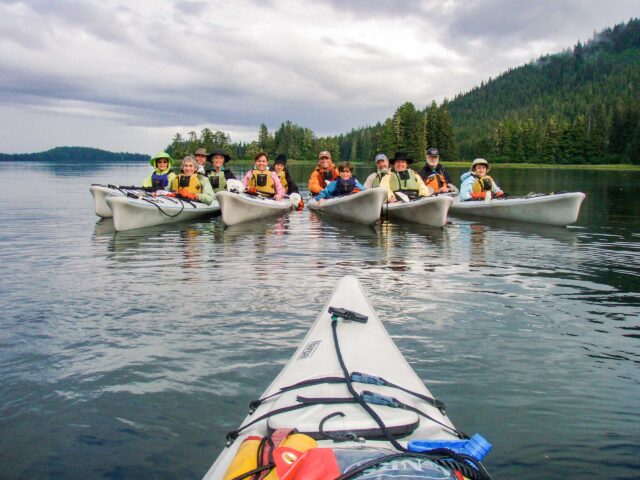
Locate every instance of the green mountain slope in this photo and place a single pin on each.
(73, 154)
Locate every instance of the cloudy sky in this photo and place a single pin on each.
(127, 75)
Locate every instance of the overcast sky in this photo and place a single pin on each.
(127, 75)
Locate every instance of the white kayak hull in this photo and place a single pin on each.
(239, 207)
(366, 348)
(362, 207)
(101, 192)
(147, 211)
(430, 211)
(560, 209)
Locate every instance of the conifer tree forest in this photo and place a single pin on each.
(578, 106)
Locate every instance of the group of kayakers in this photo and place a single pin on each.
(204, 173)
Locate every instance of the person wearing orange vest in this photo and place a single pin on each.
(434, 175)
(325, 173)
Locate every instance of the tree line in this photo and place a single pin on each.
(579, 106)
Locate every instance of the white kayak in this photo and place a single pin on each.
(559, 209)
(145, 210)
(101, 192)
(425, 211)
(362, 207)
(240, 207)
(347, 371)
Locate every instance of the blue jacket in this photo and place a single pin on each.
(330, 190)
(468, 179)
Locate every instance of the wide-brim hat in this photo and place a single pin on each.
(402, 156)
(226, 156)
(480, 161)
(152, 160)
(281, 158)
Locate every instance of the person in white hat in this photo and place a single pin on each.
(382, 169)
(476, 183)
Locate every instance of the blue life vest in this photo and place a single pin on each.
(344, 187)
(159, 181)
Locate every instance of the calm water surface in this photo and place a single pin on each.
(129, 355)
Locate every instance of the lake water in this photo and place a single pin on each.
(129, 355)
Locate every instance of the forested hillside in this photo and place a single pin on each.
(578, 106)
(73, 154)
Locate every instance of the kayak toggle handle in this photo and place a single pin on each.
(346, 314)
(377, 399)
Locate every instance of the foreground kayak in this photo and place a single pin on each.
(425, 211)
(554, 209)
(239, 207)
(352, 399)
(101, 192)
(132, 211)
(362, 207)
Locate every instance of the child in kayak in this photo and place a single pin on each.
(345, 184)
(476, 183)
(162, 175)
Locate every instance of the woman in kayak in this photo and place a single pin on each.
(476, 183)
(404, 182)
(162, 175)
(219, 174)
(261, 180)
(190, 184)
(280, 167)
(345, 184)
(323, 174)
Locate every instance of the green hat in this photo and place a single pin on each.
(153, 159)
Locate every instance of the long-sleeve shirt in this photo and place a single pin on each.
(329, 190)
(280, 193)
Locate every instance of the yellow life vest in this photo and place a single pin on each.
(246, 458)
(484, 184)
(283, 180)
(263, 182)
(406, 183)
(190, 183)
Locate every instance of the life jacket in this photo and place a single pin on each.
(190, 183)
(435, 180)
(345, 187)
(405, 182)
(218, 180)
(378, 178)
(484, 184)
(326, 175)
(160, 181)
(283, 180)
(263, 182)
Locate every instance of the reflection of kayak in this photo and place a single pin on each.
(131, 212)
(362, 207)
(241, 207)
(426, 211)
(346, 368)
(553, 209)
(101, 192)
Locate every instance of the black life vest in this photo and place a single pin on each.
(344, 187)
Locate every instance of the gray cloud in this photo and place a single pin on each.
(328, 65)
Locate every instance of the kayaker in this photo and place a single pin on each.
(434, 174)
(280, 167)
(324, 173)
(403, 181)
(201, 157)
(162, 175)
(263, 181)
(382, 166)
(476, 183)
(219, 173)
(345, 184)
(190, 184)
